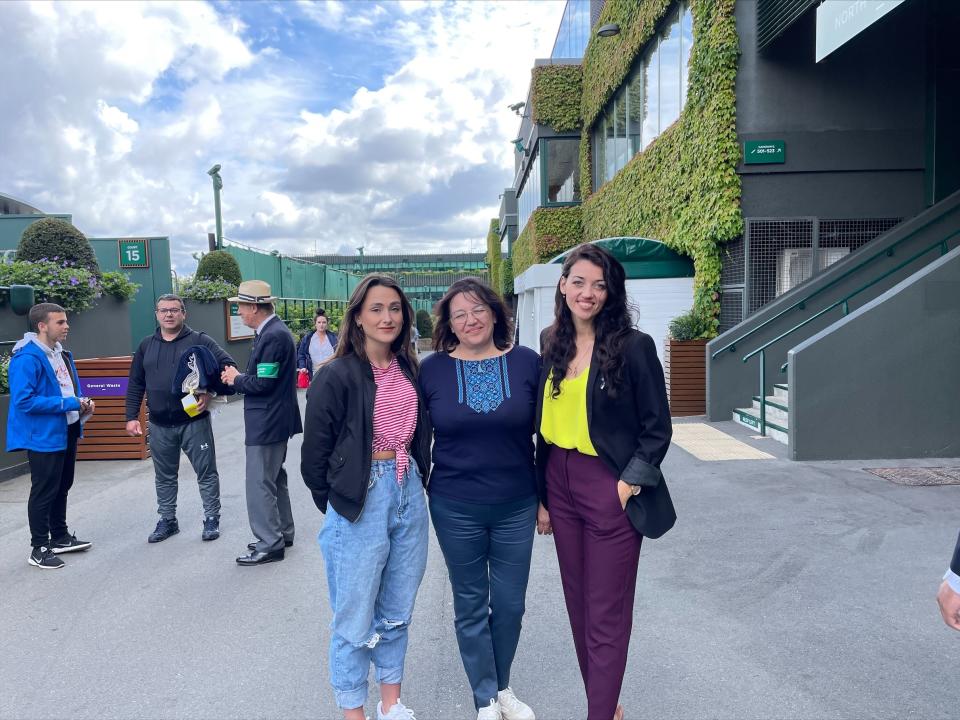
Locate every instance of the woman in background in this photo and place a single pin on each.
(317, 345)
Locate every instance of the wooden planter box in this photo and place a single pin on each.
(685, 370)
(105, 434)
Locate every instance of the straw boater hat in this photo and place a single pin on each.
(253, 291)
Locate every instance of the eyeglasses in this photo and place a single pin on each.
(478, 313)
(168, 311)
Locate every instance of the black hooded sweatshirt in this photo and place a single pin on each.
(152, 370)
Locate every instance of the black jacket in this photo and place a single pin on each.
(270, 410)
(152, 370)
(338, 434)
(630, 430)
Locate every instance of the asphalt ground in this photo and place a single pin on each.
(786, 590)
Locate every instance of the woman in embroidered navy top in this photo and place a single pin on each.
(481, 396)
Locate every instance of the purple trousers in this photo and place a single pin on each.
(598, 551)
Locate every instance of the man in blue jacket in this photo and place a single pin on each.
(45, 419)
(271, 417)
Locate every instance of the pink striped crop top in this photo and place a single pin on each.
(394, 414)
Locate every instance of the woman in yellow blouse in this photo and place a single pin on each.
(604, 427)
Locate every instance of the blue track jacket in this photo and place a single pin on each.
(38, 411)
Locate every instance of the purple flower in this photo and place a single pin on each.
(92, 283)
(56, 257)
(74, 281)
(43, 259)
(50, 283)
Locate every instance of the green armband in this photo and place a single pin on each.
(268, 370)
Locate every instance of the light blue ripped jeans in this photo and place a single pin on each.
(374, 569)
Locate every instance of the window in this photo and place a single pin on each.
(553, 177)
(528, 197)
(563, 171)
(649, 101)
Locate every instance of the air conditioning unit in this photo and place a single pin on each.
(795, 265)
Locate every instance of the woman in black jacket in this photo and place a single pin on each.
(604, 427)
(365, 458)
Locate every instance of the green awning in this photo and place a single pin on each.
(643, 258)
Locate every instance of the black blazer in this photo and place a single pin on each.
(630, 430)
(338, 434)
(270, 410)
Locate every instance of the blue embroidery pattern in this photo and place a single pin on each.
(485, 383)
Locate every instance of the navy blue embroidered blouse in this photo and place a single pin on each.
(483, 416)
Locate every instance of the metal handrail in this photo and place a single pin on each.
(844, 303)
(732, 346)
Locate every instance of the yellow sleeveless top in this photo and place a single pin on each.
(563, 421)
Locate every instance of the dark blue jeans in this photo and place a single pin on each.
(487, 549)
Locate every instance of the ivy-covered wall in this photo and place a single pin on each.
(555, 95)
(683, 189)
(548, 232)
(494, 256)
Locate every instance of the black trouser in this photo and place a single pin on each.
(51, 477)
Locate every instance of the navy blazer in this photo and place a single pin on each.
(270, 410)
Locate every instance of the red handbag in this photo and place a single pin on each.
(303, 379)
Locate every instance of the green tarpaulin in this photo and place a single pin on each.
(643, 258)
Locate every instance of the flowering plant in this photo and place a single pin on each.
(205, 290)
(65, 283)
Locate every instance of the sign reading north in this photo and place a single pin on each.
(133, 253)
(236, 330)
(763, 152)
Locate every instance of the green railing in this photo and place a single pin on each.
(801, 304)
(843, 303)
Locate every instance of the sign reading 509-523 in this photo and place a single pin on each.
(764, 152)
(133, 253)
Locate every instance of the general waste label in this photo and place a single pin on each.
(762, 152)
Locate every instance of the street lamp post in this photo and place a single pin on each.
(214, 173)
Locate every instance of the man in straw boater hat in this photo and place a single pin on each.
(271, 417)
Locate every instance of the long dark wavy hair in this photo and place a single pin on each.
(352, 339)
(445, 340)
(612, 324)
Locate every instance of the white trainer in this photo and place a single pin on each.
(490, 712)
(399, 711)
(513, 709)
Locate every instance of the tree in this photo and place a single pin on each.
(219, 264)
(424, 324)
(58, 241)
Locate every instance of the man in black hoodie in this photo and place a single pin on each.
(171, 429)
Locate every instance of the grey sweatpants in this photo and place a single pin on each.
(196, 440)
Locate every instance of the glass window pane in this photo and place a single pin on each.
(609, 153)
(620, 132)
(528, 198)
(599, 166)
(670, 73)
(563, 170)
(635, 110)
(651, 86)
(686, 42)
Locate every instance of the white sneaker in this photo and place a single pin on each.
(512, 709)
(490, 712)
(398, 712)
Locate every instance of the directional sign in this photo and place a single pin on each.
(133, 253)
(763, 152)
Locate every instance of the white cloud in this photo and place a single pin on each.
(121, 107)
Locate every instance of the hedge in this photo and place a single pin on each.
(55, 240)
(548, 232)
(494, 256)
(555, 95)
(219, 264)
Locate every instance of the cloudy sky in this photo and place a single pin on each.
(337, 124)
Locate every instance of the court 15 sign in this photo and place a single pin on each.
(761, 152)
(133, 253)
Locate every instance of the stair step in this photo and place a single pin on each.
(774, 401)
(777, 413)
(781, 392)
(750, 417)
